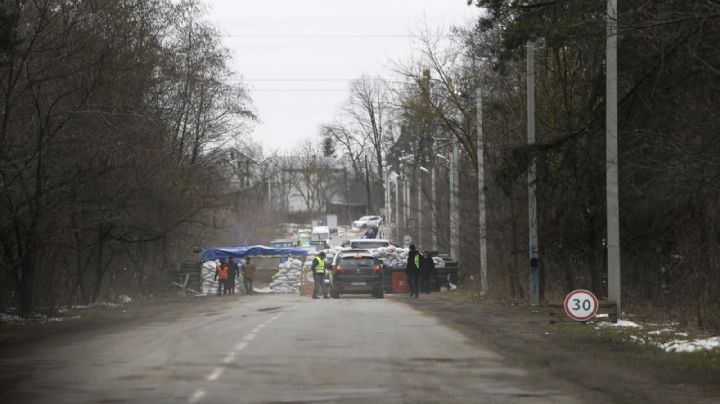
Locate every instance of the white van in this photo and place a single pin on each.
(320, 233)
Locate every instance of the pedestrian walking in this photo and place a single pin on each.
(318, 270)
(221, 275)
(233, 273)
(412, 270)
(248, 272)
(427, 271)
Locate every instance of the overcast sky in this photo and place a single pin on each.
(298, 56)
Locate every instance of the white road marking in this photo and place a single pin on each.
(197, 396)
(217, 372)
(229, 358)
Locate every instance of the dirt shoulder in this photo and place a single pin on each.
(600, 364)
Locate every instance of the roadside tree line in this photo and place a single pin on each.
(668, 144)
(117, 119)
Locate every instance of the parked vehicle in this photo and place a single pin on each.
(320, 233)
(366, 221)
(366, 243)
(356, 271)
(284, 243)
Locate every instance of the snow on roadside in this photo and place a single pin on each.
(691, 346)
(621, 324)
(664, 337)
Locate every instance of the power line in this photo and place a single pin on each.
(331, 36)
(297, 90)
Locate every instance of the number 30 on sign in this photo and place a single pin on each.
(581, 305)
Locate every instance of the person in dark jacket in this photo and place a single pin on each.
(412, 269)
(427, 271)
(233, 272)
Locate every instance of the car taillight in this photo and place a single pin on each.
(339, 269)
(376, 269)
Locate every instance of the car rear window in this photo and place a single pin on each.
(354, 262)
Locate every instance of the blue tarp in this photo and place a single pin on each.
(213, 253)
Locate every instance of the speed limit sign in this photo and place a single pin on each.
(581, 305)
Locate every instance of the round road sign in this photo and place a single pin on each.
(581, 305)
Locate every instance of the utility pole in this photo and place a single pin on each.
(367, 187)
(397, 205)
(532, 181)
(433, 217)
(454, 204)
(406, 201)
(611, 158)
(481, 193)
(419, 209)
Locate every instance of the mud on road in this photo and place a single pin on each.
(595, 366)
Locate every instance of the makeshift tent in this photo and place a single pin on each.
(210, 254)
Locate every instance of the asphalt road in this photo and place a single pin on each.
(274, 348)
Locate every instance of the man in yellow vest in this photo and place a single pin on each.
(412, 269)
(318, 269)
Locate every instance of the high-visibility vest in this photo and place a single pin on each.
(320, 267)
(222, 271)
(417, 261)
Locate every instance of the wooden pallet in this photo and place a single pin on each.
(557, 314)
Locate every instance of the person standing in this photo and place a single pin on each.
(233, 272)
(427, 270)
(318, 270)
(221, 275)
(412, 269)
(248, 272)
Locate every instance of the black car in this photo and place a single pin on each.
(356, 272)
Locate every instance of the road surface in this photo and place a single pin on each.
(274, 348)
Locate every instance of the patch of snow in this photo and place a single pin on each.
(622, 324)
(637, 339)
(691, 346)
(682, 334)
(59, 319)
(125, 299)
(658, 332)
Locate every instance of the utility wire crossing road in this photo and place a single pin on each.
(276, 348)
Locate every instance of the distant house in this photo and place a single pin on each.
(306, 184)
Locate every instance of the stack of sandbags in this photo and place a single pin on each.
(394, 257)
(287, 278)
(209, 283)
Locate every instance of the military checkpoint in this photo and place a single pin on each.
(295, 201)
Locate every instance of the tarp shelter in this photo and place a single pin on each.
(210, 254)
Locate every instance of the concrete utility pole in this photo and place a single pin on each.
(419, 209)
(433, 217)
(481, 193)
(454, 204)
(386, 197)
(397, 205)
(369, 206)
(406, 201)
(611, 158)
(532, 181)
